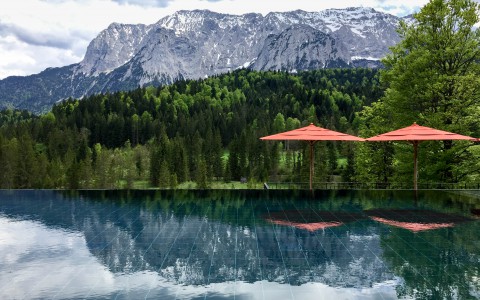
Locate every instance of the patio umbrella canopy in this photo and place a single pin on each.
(416, 134)
(312, 134)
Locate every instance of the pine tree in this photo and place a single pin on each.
(8, 161)
(201, 174)
(164, 175)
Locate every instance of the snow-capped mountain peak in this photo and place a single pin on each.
(198, 43)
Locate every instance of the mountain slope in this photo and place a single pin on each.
(200, 43)
(301, 47)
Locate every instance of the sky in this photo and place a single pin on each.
(38, 34)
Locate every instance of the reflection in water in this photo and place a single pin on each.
(415, 227)
(415, 220)
(475, 212)
(444, 264)
(220, 245)
(312, 220)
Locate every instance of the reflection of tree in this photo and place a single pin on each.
(193, 237)
(437, 264)
(192, 250)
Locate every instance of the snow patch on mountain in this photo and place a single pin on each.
(201, 43)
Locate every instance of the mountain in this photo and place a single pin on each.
(200, 43)
(301, 47)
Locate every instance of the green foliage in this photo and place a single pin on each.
(432, 78)
(13, 117)
(170, 135)
(201, 176)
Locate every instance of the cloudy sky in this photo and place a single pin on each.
(37, 34)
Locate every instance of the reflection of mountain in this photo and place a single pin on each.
(198, 239)
(192, 249)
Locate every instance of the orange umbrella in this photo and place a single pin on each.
(312, 134)
(416, 134)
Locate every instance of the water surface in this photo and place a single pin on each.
(239, 245)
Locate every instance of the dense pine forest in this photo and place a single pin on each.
(197, 132)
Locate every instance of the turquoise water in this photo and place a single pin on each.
(239, 245)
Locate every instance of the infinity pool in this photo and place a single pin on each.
(239, 245)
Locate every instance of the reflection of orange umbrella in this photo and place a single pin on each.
(311, 220)
(416, 134)
(312, 134)
(415, 220)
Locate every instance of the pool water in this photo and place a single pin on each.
(239, 245)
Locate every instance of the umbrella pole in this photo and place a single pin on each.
(311, 164)
(415, 164)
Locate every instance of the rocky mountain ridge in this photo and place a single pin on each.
(200, 43)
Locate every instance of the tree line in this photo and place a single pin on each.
(208, 130)
(194, 130)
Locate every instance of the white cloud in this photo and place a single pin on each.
(147, 3)
(20, 58)
(36, 34)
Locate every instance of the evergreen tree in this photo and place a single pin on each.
(164, 176)
(201, 174)
(26, 172)
(233, 164)
(217, 155)
(8, 161)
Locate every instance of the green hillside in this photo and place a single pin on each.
(201, 131)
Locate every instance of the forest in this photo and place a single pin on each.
(199, 131)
